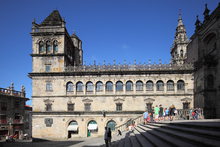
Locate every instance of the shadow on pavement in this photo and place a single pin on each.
(39, 143)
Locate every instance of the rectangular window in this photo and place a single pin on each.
(48, 107)
(70, 107)
(3, 106)
(87, 107)
(119, 107)
(49, 86)
(17, 104)
(47, 68)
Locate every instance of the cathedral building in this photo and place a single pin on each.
(204, 53)
(71, 99)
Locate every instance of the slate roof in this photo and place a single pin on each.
(54, 19)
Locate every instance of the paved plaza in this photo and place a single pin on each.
(77, 142)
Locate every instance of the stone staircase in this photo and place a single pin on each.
(176, 133)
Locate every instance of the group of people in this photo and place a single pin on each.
(156, 114)
(108, 136)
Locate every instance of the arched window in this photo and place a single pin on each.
(139, 85)
(109, 86)
(180, 85)
(89, 86)
(210, 82)
(129, 86)
(181, 53)
(73, 128)
(55, 46)
(48, 47)
(99, 86)
(119, 86)
(92, 126)
(69, 87)
(111, 124)
(79, 86)
(41, 47)
(149, 85)
(160, 86)
(170, 85)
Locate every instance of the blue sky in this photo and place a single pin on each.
(110, 30)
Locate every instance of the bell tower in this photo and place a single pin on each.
(179, 47)
(52, 47)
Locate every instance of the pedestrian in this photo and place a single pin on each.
(160, 113)
(166, 113)
(119, 133)
(106, 136)
(109, 136)
(171, 112)
(145, 115)
(152, 114)
(156, 112)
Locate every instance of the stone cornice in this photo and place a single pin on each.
(46, 55)
(86, 112)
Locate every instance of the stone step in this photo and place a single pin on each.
(187, 137)
(141, 139)
(196, 131)
(168, 139)
(134, 141)
(127, 141)
(154, 141)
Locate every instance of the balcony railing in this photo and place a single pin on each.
(128, 67)
(11, 92)
(18, 121)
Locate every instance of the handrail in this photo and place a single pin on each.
(123, 126)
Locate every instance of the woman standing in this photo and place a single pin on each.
(171, 112)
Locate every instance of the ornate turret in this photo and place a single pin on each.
(206, 13)
(178, 50)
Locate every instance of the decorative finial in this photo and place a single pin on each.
(197, 23)
(180, 13)
(206, 13)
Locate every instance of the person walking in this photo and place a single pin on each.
(109, 136)
(161, 113)
(156, 112)
(145, 115)
(106, 136)
(171, 111)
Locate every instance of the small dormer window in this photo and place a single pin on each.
(41, 47)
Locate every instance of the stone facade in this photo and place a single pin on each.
(71, 99)
(204, 52)
(12, 112)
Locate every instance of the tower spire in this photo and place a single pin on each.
(178, 50)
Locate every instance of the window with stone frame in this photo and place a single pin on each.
(186, 105)
(170, 85)
(109, 86)
(48, 47)
(99, 86)
(70, 106)
(180, 85)
(160, 86)
(149, 86)
(89, 86)
(69, 87)
(129, 86)
(48, 107)
(41, 47)
(87, 106)
(79, 87)
(139, 86)
(3, 106)
(49, 86)
(149, 107)
(119, 86)
(55, 46)
(47, 67)
(118, 106)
